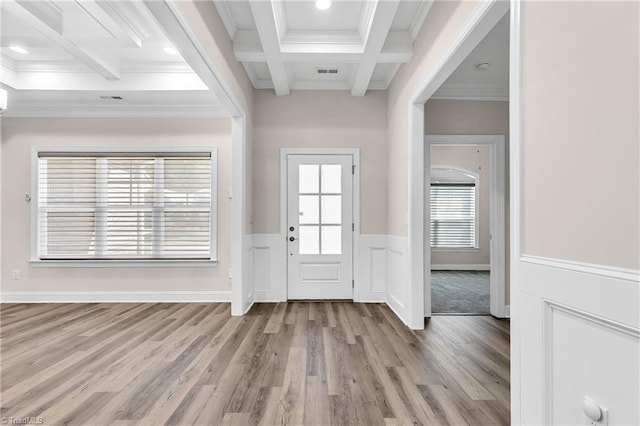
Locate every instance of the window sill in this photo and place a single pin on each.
(169, 263)
(455, 250)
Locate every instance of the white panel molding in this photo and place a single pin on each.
(460, 267)
(26, 12)
(263, 13)
(383, 17)
(579, 291)
(397, 276)
(632, 275)
(419, 19)
(373, 272)
(269, 267)
(116, 297)
(549, 318)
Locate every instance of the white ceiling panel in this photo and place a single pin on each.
(341, 16)
(380, 72)
(76, 50)
(241, 12)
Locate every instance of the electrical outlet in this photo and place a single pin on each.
(16, 274)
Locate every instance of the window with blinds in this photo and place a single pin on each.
(453, 215)
(126, 206)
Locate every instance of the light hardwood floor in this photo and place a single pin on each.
(287, 363)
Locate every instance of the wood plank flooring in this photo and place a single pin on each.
(316, 363)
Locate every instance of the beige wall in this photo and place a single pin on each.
(320, 120)
(581, 132)
(476, 159)
(444, 21)
(20, 135)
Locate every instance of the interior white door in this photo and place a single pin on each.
(320, 226)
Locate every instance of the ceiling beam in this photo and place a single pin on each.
(28, 13)
(382, 19)
(105, 15)
(268, 34)
(398, 48)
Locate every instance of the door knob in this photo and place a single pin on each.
(292, 239)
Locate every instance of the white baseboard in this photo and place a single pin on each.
(507, 311)
(460, 267)
(222, 296)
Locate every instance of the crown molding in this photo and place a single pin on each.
(471, 91)
(114, 111)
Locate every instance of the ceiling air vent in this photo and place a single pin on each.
(332, 71)
(115, 98)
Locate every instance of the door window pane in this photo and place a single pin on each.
(332, 178)
(331, 240)
(309, 240)
(309, 179)
(309, 210)
(332, 209)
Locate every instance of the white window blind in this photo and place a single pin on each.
(453, 215)
(126, 206)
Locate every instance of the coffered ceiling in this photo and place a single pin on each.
(94, 57)
(353, 45)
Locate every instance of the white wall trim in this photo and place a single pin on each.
(460, 267)
(117, 297)
(516, 150)
(497, 220)
(168, 15)
(588, 268)
(484, 17)
(373, 270)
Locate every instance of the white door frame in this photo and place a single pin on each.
(175, 26)
(482, 20)
(497, 224)
(355, 152)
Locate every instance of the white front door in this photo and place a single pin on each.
(320, 226)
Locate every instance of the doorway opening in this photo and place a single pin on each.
(465, 195)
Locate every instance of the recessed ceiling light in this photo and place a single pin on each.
(170, 50)
(483, 66)
(19, 49)
(323, 4)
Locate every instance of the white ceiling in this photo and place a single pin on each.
(80, 50)
(467, 82)
(283, 44)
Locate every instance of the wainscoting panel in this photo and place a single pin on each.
(398, 285)
(582, 325)
(269, 267)
(372, 272)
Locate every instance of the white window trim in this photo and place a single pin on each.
(476, 182)
(35, 261)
